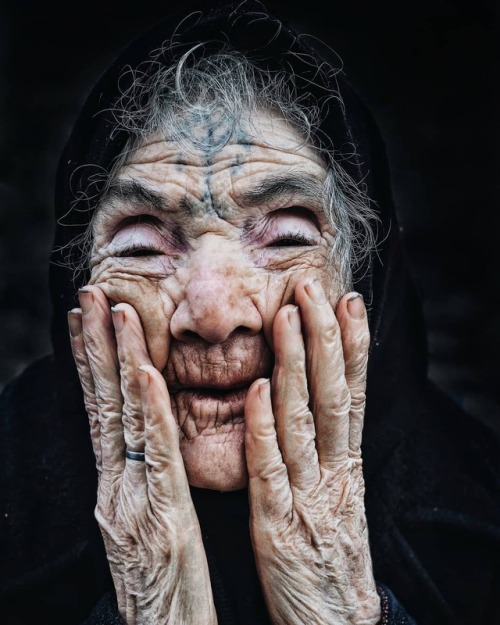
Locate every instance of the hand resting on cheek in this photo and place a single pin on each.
(144, 509)
(302, 448)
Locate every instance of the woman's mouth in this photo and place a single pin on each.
(229, 395)
(227, 403)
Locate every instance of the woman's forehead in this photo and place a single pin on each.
(207, 142)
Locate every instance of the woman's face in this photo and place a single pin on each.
(207, 246)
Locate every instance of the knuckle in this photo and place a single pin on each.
(291, 365)
(131, 419)
(358, 400)
(330, 332)
(300, 415)
(273, 472)
(264, 433)
(364, 340)
(356, 366)
(358, 341)
(338, 405)
(90, 405)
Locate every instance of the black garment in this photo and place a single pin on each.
(431, 473)
(106, 611)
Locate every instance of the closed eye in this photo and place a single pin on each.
(139, 251)
(291, 239)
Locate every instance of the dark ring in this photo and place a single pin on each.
(136, 455)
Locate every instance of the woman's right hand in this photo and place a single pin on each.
(144, 508)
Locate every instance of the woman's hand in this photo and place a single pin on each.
(144, 508)
(303, 436)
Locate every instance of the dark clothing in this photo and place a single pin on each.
(431, 472)
(432, 508)
(105, 612)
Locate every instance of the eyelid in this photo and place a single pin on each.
(299, 237)
(146, 231)
(297, 211)
(295, 223)
(259, 227)
(142, 219)
(128, 252)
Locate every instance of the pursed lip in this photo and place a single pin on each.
(226, 392)
(211, 396)
(216, 388)
(217, 370)
(222, 404)
(217, 392)
(225, 398)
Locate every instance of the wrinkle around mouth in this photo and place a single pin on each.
(222, 367)
(207, 414)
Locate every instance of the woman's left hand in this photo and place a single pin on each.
(303, 436)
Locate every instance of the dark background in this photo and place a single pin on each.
(426, 70)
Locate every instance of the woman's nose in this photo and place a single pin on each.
(217, 302)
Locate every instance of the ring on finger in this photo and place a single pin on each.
(135, 455)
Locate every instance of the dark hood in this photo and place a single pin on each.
(398, 343)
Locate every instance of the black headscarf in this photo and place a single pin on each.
(421, 470)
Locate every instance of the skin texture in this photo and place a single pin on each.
(218, 278)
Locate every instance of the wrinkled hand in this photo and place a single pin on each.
(144, 509)
(303, 436)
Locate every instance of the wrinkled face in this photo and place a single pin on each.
(207, 246)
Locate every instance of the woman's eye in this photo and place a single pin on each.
(291, 239)
(139, 252)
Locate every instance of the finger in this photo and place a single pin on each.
(353, 322)
(269, 487)
(86, 380)
(98, 334)
(166, 477)
(132, 352)
(330, 396)
(290, 400)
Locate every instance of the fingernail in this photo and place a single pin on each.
(294, 319)
(143, 378)
(356, 306)
(86, 298)
(118, 317)
(75, 322)
(264, 388)
(315, 291)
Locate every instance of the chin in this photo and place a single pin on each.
(216, 460)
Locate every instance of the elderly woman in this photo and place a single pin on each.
(217, 205)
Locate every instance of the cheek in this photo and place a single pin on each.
(279, 290)
(154, 305)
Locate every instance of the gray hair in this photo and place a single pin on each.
(217, 89)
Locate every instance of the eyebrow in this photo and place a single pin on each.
(134, 192)
(266, 191)
(276, 187)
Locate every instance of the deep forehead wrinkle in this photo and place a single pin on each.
(278, 186)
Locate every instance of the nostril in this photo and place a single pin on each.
(243, 330)
(189, 336)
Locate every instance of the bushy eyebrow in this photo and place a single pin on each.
(278, 187)
(134, 192)
(266, 191)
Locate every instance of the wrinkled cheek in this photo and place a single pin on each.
(280, 291)
(152, 303)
